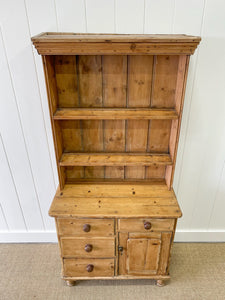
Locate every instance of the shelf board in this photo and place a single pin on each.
(114, 159)
(114, 114)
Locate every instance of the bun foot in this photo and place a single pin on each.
(160, 282)
(70, 282)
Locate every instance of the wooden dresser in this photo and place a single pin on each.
(115, 103)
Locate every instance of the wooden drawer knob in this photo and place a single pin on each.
(147, 225)
(88, 248)
(86, 227)
(90, 268)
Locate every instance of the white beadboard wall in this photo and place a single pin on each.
(28, 176)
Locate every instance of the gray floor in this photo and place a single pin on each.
(32, 271)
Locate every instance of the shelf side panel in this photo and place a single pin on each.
(50, 79)
(175, 127)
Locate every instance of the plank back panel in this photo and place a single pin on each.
(117, 81)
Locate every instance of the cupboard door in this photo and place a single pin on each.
(143, 256)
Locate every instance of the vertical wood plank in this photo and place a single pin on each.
(104, 12)
(165, 252)
(159, 136)
(122, 255)
(71, 136)
(66, 80)
(92, 137)
(165, 80)
(129, 16)
(139, 91)
(140, 80)
(90, 93)
(90, 80)
(114, 95)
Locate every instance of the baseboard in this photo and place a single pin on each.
(200, 236)
(51, 237)
(28, 237)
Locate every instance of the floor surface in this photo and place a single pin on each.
(32, 271)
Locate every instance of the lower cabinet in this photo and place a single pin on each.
(112, 248)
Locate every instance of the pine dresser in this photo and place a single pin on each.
(115, 104)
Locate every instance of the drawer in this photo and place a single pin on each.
(88, 267)
(146, 225)
(86, 227)
(87, 247)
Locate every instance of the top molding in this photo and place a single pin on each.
(56, 43)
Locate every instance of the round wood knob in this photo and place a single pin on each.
(88, 247)
(86, 227)
(90, 268)
(147, 225)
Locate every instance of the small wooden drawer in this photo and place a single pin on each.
(87, 247)
(86, 227)
(146, 225)
(88, 267)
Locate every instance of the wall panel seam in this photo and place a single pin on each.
(10, 171)
(189, 110)
(40, 100)
(22, 130)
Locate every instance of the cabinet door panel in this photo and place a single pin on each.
(143, 256)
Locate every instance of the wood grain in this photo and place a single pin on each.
(113, 159)
(76, 267)
(66, 80)
(114, 95)
(90, 91)
(143, 256)
(114, 114)
(137, 225)
(74, 227)
(75, 247)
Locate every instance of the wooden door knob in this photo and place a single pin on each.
(88, 247)
(86, 227)
(90, 268)
(147, 225)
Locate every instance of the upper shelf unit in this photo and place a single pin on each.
(115, 103)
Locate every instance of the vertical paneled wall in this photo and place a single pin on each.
(28, 176)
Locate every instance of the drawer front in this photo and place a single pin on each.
(146, 225)
(86, 227)
(84, 247)
(88, 267)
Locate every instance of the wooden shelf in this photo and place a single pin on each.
(115, 200)
(114, 159)
(114, 113)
